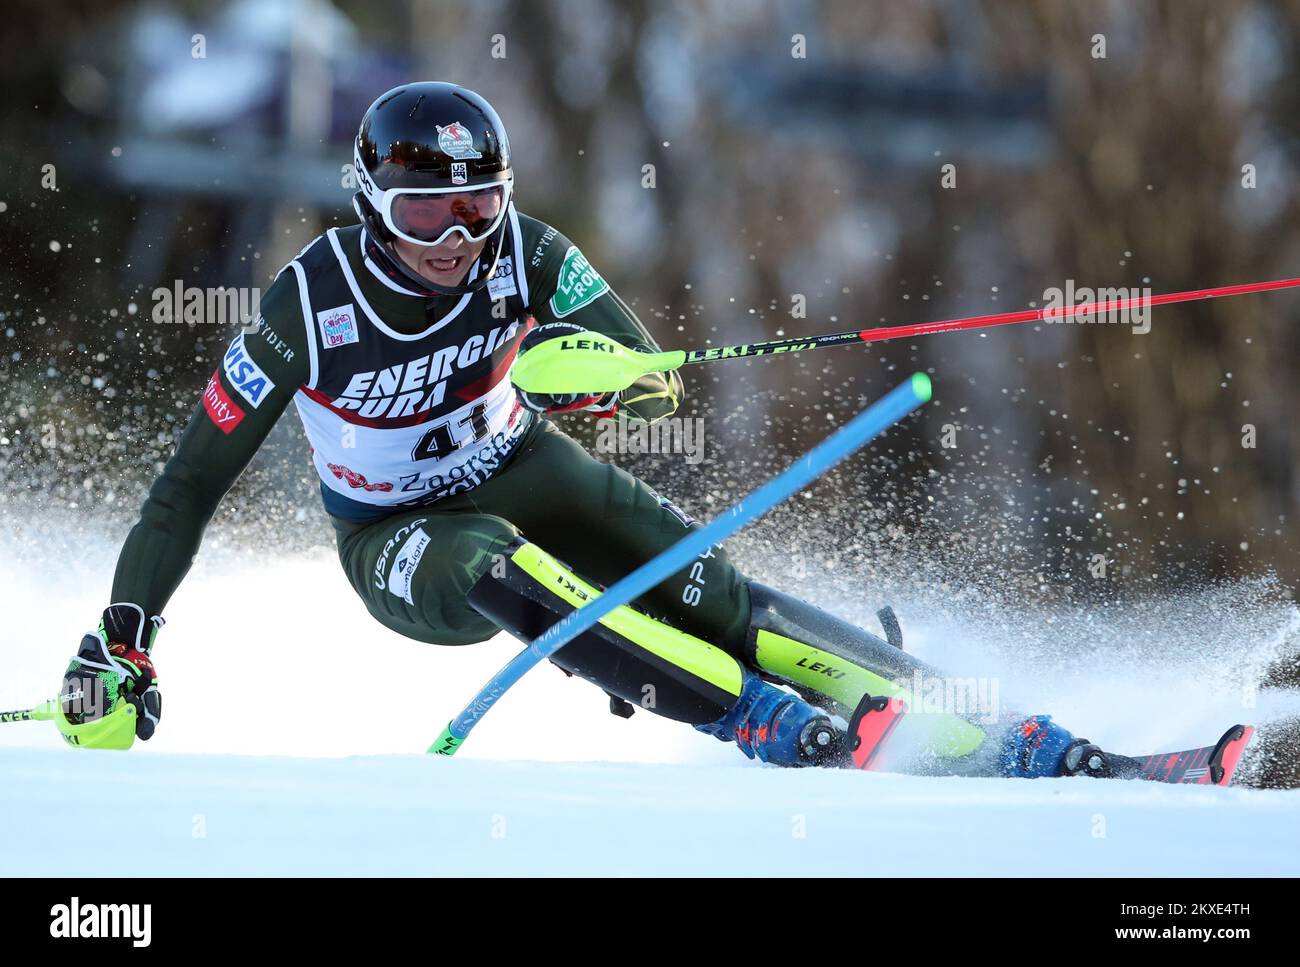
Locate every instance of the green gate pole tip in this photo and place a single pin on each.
(447, 744)
(921, 387)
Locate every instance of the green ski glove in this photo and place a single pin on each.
(111, 680)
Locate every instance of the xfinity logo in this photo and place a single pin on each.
(116, 921)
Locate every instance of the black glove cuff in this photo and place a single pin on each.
(127, 624)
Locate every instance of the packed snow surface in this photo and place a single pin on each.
(294, 726)
(416, 815)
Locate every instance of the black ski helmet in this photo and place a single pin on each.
(417, 143)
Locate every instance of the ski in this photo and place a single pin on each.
(1209, 765)
(875, 720)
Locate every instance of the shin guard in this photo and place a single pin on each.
(826, 658)
(633, 657)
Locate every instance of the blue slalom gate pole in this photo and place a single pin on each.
(859, 431)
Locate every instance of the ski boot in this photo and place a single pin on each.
(1038, 747)
(1083, 758)
(772, 725)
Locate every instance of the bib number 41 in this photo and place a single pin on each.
(440, 442)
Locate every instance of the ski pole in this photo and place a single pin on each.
(116, 730)
(590, 362)
(41, 713)
(863, 428)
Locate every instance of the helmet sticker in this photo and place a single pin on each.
(459, 174)
(363, 176)
(456, 141)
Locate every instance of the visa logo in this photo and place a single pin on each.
(245, 375)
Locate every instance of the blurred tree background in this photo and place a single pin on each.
(798, 150)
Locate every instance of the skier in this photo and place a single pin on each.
(455, 497)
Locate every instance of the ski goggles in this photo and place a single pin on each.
(428, 216)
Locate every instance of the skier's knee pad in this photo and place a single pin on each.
(817, 652)
(826, 658)
(628, 654)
